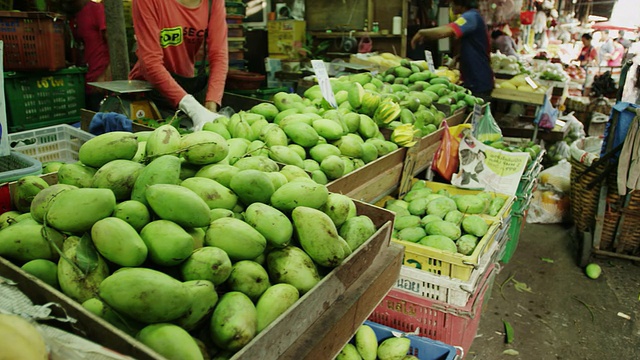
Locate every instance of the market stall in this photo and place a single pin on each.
(360, 211)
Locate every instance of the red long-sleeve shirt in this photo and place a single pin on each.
(169, 35)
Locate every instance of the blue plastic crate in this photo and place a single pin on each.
(422, 348)
(17, 165)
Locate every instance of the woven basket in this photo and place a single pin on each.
(584, 202)
(629, 241)
(584, 205)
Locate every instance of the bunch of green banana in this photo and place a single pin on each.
(405, 134)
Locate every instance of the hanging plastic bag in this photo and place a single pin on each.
(487, 130)
(558, 152)
(551, 202)
(445, 161)
(546, 118)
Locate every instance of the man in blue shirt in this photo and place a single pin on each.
(470, 28)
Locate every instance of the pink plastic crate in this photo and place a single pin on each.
(437, 320)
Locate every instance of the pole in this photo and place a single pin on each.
(117, 39)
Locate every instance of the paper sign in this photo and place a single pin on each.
(323, 80)
(487, 168)
(531, 82)
(429, 58)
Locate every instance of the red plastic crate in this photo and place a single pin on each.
(32, 40)
(437, 320)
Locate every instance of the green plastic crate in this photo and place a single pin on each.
(40, 99)
(517, 221)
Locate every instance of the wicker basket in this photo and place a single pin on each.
(584, 205)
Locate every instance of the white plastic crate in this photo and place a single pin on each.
(446, 289)
(53, 143)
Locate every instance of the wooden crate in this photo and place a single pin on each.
(374, 180)
(337, 304)
(88, 325)
(521, 96)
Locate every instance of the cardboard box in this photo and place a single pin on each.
(286, 37)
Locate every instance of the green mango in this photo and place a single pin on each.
(145, 295)
(234, 321)
(366, 343)
(274, 225)
(168, 243)
(75, 284)
(203, 299)
(119, 176)
(213, 193)
(76, 175)
(285, 155)
(291, 265)
(302, 134)
(170, 341)
(41, 202)
(475, 225)
(357, 230)
(44, 270)
(339, 208)
(238, 239)
(162, 170)
(394, 348)
(278, 179)
(204, 147)
(24, 241)
(252, 186)
(165, 140)
(218, 128)
(77, 210)
(207, 263)
(102, 310)
(328, 129)
(274, 302)
(118, 242)
(267, 110)
(249, 278)
(178, 204)
(296, 193)
(121, 145)
(318, 236)
(322, 151)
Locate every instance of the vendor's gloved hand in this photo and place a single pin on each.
(198, 114)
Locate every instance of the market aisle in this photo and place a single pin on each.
(553, 321)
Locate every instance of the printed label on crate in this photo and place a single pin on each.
(323, 81)
(484, 167)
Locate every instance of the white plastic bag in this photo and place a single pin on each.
(551, 203)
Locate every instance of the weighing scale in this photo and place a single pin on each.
(127, 97)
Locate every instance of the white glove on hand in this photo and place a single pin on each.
(198, 114)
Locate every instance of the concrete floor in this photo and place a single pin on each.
(551, 322)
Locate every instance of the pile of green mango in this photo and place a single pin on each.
(162, 236)
(443, 221)
(530, 148)
(328, 144)
(365, 346)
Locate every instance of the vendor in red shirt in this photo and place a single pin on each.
(169, 35)
(91, 32)
(588, 55)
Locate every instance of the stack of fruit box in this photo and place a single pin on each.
(442, 293)
(518, 215)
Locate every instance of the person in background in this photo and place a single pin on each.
(606, 47)
(471, 29)
(615, 58)
(588, 55)
(91, 31)
(169, 35)
(503, 43)
(626, 43)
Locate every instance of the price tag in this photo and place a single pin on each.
(429, 57)
(531, 83)
(323, 80)
(477, 114)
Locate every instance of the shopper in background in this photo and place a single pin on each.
(615, 58)
(503, 43)
(471, 29)
(169, 34)
(588, 55)
(91, 32)
(606, 47)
